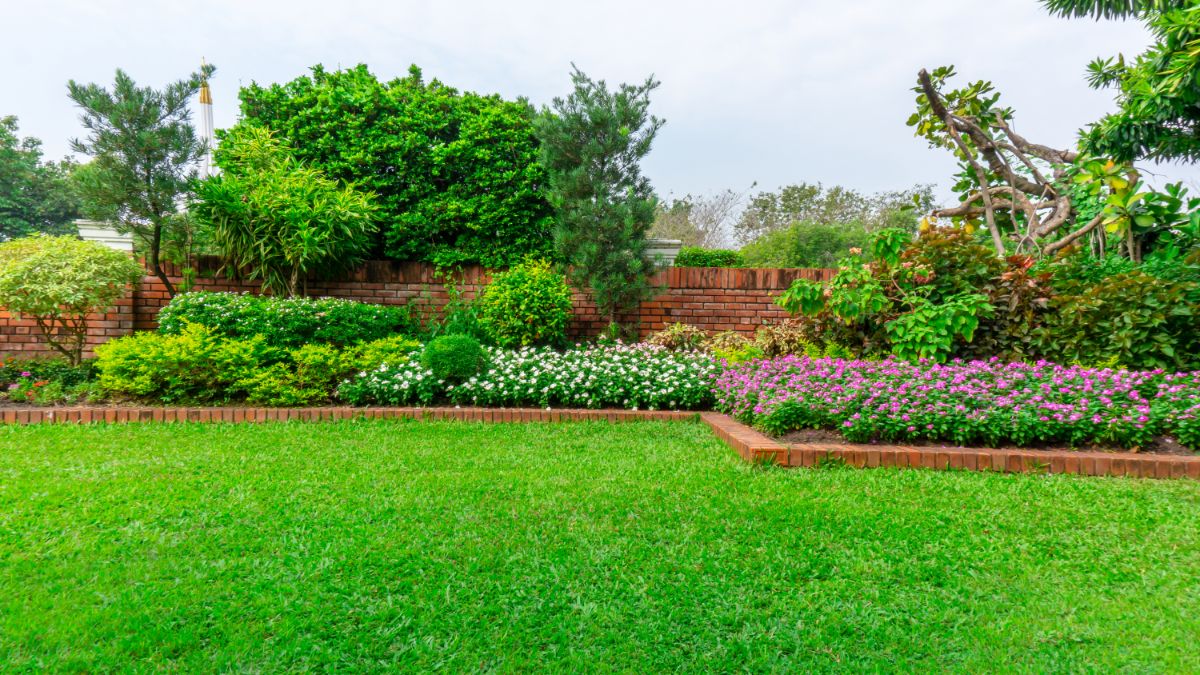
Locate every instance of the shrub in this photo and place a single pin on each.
(733, 348)
(286, 322)
(456, 173)
(195, 365)
(693, 256)
(530, 304)
(453, 357)
(792, 336)
(59, 281)
(679, 336)
(1134, 318)
(598, 376)
(386, 351)
(805, 244)
(280, 220)
(311, 375)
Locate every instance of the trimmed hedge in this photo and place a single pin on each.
(692, 256)
(286, 322)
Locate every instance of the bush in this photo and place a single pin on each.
(530, 304)
(453, 357)
(679, 337)
(59, 281)
(195, 365)
(47, 381)
(805, 244)
(456, 173)
(280, 220)
(733, 348)
(387, 351)
(693, 256)
(286, 322)
(792, 336)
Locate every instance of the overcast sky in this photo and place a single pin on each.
(753, 92)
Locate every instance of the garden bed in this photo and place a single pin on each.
(1160, 445)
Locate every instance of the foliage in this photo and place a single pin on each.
(591, 145)
(1133, 318)
(679, 336)
(806, 244)
(989, 403)
(633, 547)
(277, 219)
(1157, 92)
(196, 364)
(285, 322)
(384, 351)
(596, 376)
(529, 304)
(791, 336)
(731, 348)
(46, 381)
(143, 150)
(827, 207)
(59, 281)
(35, 196)
(691, 256)
(310, 375)
(456, 173)
(1110, 9)
(460, 315)
(453, 358)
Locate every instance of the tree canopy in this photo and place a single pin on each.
(35, 195)
(455, 173)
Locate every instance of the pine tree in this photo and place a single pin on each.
(144, 152)
(591, 145)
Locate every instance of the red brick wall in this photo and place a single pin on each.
(715, 299)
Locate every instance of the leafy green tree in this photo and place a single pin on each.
(769, 212)
(1111, 9)
(278, 219)
(806, 244)
(35, 196)
(592, 143)
(59, 281)
(1158, 94)
(144, 152)
(456, 173)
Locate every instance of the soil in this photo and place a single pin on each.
(1161, 445)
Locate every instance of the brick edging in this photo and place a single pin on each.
(751, 445)
(133, 414)
(755, 446)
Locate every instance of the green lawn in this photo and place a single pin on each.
(641, 547)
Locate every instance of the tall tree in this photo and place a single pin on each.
(455, 173)
(144, 152)
(591, 145)
(1158, 94)
(35, 196)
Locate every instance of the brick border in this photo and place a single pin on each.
(751, 445)
(135, 414)
(755, 446)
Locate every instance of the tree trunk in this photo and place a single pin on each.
(155, 265)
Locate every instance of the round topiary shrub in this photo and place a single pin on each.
(529, 304)
(454, 357)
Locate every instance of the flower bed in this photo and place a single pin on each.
(987, 403)
(636, 377)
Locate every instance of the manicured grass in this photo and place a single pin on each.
(640, 547)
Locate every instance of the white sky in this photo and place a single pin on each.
(773, 92)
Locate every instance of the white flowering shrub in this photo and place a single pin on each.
(636, 377)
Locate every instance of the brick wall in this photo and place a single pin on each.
(715, 299)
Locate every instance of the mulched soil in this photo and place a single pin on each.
(1162, 445)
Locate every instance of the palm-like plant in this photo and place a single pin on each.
(1111, 9)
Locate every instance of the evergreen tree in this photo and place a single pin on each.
(591, 144)
(144, 152)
